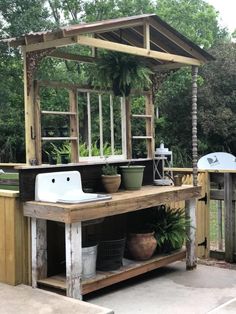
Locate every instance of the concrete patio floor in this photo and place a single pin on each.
(171, 290)
(25, 300)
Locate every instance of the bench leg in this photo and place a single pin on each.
(73, 238)
(39, 250)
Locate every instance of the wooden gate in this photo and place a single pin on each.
(13, 240)
(202, 213)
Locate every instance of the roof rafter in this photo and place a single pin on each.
(167, 67)
(71, 56)
(175, 39)
(104, 44)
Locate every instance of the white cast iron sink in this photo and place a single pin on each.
(63, 187)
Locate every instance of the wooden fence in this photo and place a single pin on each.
(202, 212)
(14, 258)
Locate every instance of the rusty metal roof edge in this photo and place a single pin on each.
(66, 31)
(77, 26)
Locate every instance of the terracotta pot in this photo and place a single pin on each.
(111, 183)
(141, 246)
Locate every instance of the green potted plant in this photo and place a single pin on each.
(51, 155)
(63, 153)
(110, 178)
(121, 72)
(132, 176)
(170, 226)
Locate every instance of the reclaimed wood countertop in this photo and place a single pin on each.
(121, 202)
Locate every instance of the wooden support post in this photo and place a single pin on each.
(123, 126)
(29, 114)
(220, 226)
(94, 50)
(39, 250)
(73, 238)
(149, 109)
(194, 123)
(229, 218)
(146, 36)
(191, 258)
(37, 119)
(74, 128)
(100, 124)
(207, 213)
(128, 127)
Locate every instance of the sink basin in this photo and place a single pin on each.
(84, 198)
(63, 187)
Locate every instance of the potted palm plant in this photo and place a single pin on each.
(170, 226)
(121, 72)
(110, 178)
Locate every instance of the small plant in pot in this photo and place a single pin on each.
(110, 178)
(52, 157)
(170, 226)
(121, 72)
(63, 153)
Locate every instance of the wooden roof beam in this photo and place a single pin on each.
(167, 67)
(176, 40)
(104, 44)
(51, 44)
(161, 46)
(71, 57)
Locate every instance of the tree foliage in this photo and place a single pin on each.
(196, 19)
(217, 101)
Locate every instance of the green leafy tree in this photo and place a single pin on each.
(195, 19)
(217, 101)
(24, 16)
(198, 21)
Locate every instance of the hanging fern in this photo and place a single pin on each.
(121, 72)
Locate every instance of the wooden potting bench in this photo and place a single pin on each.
(74, 214)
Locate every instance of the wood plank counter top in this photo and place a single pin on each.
(121, 202)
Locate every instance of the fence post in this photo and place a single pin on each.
(229, 217)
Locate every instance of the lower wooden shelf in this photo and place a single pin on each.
(130, 269)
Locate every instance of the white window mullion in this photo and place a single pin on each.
(89, 125)
(100, 124)
(123, 127)
(112, 126)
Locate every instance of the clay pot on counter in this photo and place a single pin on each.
(111, 183)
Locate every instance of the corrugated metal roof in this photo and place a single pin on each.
(126, 30)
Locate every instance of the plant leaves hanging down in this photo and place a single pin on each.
(121, 72)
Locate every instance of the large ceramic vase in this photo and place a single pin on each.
(132, 177)
(111, 183)
(141, 246)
